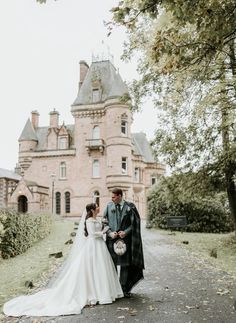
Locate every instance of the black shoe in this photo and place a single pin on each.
(127, 295)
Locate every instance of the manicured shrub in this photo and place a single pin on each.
(203, 213)
(21, 231)
(207, 215)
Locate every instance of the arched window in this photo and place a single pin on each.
(96, 132)
(62, 170)
(96, 168)
(58, 203)
(67, 202)
(96, 198)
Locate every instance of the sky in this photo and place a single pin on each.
(41, 46)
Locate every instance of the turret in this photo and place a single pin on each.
(28, 139)
(27, 143)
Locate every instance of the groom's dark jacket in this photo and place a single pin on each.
(130, 223)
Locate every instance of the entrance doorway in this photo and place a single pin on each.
(22, 204)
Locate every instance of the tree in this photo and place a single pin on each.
(187, 62)
(205, 206)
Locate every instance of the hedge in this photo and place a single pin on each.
(20, 231)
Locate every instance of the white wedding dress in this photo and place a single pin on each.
(89, 278)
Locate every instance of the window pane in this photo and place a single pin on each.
(136, 175)
(124, 165)
(95, 95)
(58, 203)
(96, 196)
(96, 132)
(63, 170)
(67, 202)
(124, 127)
(96, 170)
(62, 143)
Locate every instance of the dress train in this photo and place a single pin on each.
(91, 278)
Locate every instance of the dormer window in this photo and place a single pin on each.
(63, 143)
(95, 95)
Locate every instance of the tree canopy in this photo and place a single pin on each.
(187, 64)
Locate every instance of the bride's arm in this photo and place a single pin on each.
(91, 228)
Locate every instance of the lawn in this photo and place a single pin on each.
(202, 244)
(35, 264)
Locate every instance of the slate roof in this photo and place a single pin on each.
(41, 133)
(142, 147)
(140, 143)
(28, 132)
(111, 84)
(5, 173)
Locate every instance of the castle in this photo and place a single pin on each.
(64, 167)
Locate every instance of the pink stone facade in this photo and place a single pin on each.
(69, 166)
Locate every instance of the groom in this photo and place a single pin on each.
(123, 221)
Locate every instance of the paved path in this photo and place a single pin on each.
(178, 288)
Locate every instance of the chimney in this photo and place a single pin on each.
(35, 119)
(54, 119)
(83, 71)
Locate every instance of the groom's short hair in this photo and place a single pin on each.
(117, 191)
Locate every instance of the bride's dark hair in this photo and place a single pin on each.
(89, 208)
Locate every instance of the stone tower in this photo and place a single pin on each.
(102, 131)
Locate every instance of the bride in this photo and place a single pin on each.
(88, 277)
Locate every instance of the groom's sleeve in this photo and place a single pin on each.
(106, 225)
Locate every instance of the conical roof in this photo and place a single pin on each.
(28, 132)
(109, 80)
(142, 147)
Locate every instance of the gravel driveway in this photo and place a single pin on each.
(178, 288)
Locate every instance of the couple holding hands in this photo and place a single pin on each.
(89, 275)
